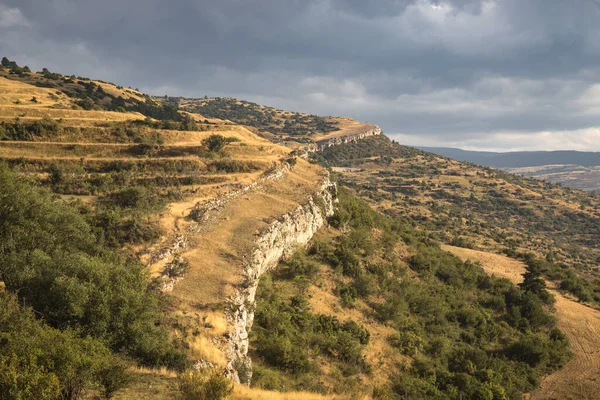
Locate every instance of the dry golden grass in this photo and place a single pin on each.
(150, 384)
(50, 103)
(12, 91)
(204, 348)
(245, 393)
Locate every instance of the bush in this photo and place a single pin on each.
(204, 385)
(347, 294)
(139, 199)
(280, 352)
(408, 342)
(216, 143)
(113, 376)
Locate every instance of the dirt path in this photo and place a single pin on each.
(580, 378)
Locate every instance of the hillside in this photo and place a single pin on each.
(158, 247)
(476, 206)
(290, 128)
(575, 169)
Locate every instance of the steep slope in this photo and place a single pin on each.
(477, 206)
(375, 308)
(553, 228)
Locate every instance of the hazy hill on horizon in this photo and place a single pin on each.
(576, 169)
(518, 159)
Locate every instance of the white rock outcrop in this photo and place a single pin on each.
(278, 241)
(336, 140)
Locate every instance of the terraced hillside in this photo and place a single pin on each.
(188, 197)
(290, 128)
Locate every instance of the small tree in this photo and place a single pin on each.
(56, 174)
(216, 143)
(534, 283)
(113, 377)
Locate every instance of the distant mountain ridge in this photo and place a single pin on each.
(519, 159)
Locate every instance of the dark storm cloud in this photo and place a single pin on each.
(462, 71)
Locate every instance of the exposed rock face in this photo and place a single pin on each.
(178, 242)
(278, 241)
(172, 273)
(323, 144)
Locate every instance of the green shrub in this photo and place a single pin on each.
(407, 342)
(113, 377)
(204, 385)
(39, 362)
(280, 352)
(216, 143)
(347, 294)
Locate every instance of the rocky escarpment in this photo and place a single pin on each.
(277, 241)
(354, 137)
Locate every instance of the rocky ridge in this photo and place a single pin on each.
(277, 241)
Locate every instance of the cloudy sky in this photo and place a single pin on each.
(475, 74)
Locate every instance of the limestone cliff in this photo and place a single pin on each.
(277, 241)
(353, 137)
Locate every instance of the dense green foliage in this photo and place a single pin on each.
(295, 334)
(51, 257)
(38, 362)
(350, 154)
(18, 130)
(470, 335)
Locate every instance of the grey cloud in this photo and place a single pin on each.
(442, 69)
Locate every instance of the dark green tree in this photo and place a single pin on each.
(216, 143)
(534, 283)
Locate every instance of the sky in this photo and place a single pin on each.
(474, 74)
